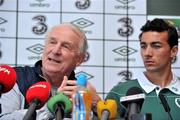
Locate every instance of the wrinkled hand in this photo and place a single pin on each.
(68, 87)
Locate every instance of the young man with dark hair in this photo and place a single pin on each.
(159, 47)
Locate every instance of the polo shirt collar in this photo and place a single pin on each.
(148, 86)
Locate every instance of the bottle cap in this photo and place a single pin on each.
(81, 80)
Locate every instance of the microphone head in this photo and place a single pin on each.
(61, 99)
(133, 95)
(7, 78)
(109, 105)
(134, 91)
(39, 91)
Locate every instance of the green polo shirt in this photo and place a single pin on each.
(152, 103)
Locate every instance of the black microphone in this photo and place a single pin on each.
(59, 105)
(133, 101)
(165, 105)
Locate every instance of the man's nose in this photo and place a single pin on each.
(148, 51)
(57, 49)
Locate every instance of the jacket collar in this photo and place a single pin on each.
(148, 86)
(38, 66)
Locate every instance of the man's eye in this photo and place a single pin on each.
(143, 46)
(52, 42)
(156, 46)
(67, 47)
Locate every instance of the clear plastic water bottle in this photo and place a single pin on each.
(82, 100)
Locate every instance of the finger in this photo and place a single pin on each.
(69, 88)
(71, 99)
(68, 93)
(64, 82)
(91, 87)
(95, 99)
(71, 82)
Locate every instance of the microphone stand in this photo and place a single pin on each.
(0, 109)
(59, 112)
(1, 89)
(141, 116)
(0, 105)
(170, 116)
(31, 113)
(105, 115)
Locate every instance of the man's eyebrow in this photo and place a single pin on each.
(156, 42)
(142, 42)
(51, 38)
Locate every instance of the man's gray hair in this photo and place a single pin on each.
(83, 45)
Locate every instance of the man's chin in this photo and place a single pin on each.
(52, 69)
(151, 69)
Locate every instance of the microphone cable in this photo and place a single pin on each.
(165, 105)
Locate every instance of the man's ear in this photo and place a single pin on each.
(80, 59)
(174, 51)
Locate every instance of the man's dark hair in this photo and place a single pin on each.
(160, 25)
